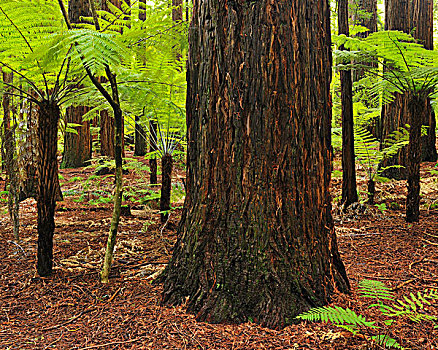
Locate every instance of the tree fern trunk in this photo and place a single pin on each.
(416, 106)
(48, 185)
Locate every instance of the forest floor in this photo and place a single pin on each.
(73, 310)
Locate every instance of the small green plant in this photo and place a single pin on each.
(412, 307)
(382, 207)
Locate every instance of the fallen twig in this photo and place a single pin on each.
(109, 344)
(66, 322)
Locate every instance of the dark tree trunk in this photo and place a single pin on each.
(256, 238)
(166, 185)
(48, 185)
(77, 147)
(140, 138)
(422, 21)
(405, 15)
(349, 190)
(153, 139)
(416, 111)
(371, 191)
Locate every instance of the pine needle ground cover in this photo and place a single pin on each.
(73, 310)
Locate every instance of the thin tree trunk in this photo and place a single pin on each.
(256, 238)
(166, 185)
(118, 151)
(153, 139)
(349, 190)
(10, 159)
(48, 185)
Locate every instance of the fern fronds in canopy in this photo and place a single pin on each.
(408, 66)
(25, 25)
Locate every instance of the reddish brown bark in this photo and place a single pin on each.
(256, 240)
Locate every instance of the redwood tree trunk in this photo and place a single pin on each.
(349, 190)
(256, 240)
(106, 134)
(48, 186)
(77, 147)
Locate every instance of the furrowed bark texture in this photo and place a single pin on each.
(349, 190)
(166, 184)
(405, 15)
(256, 238)
(48, 185)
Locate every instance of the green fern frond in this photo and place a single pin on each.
(386, 341)
(336, 315)
(413, 306)
(375, 289)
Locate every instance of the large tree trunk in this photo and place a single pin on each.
(422, 21)
(256, 239)
(404, 15)
(48, 185)
(77, 147)
(349, 190)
